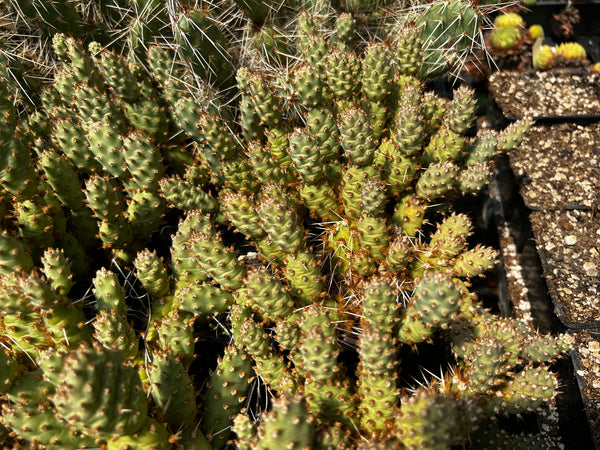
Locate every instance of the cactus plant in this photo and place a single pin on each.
(299, 210)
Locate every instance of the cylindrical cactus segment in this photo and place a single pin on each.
(109, 293)
(484, 147)
(320, 200)
(327, 397)
(321, 125)
(280, 220)
(17, 175)
(409, 214)
(239, 209)
(303, 273)
(116, 72)
(474, 177)
(380, 305)
(343, 75)
(373, 197)
(269, 363)
(105, 197)
(451, 235)
(172, 389)
(461, 110)
(377, 78)
(433, 419)
(176, 335)
(97, 392)
(32, 417)
(373, 235)
(307, 85)
(185, 195)
(353, 182)
(63, 178)
(117, 234)
(400, 252)
(475, 261)
(152, 273)
(276, 433)
(203, 299)
(438, 180)
(445, 145)
(266, 295)
(304, 151)
(218, 134)
(113, 331)
(207, 251)
(57, 270)
(107, 146)
(266, 102)
(143, 161)
(35, 225)
(357, 137)
(225, 394)
(409, 51)
(408, 130)
(344, 31)
(436, 302)
(526, 391)
(376, 374)
(36, 317)
(70, 138)
(184, 268)
(267, 167)
(145, 212)
(513, 135)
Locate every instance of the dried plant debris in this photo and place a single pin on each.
(587, 348)
(546, 94)
(559, 167)
(567, 245)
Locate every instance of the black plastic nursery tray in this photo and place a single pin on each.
(524, 294)
(558, 173)
(547, 195)
(586, 363)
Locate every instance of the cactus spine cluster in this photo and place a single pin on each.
(299, 210)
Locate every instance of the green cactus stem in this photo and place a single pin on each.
(81, 406)
(225, 395)
(172, 389)
(275, 432)
(433, 419)
(34, 418)
(204, 46)
(57, 270)
(436, 302)
(376, 378)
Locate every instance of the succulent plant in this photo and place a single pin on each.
(300, 211)
(567, 54)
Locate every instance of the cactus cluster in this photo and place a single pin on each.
(509, 37)
(507, 31)
(567, 54)
(298, 210)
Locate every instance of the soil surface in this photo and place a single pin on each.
(556, 93)
(559, 166)
(567, 245)
(587, 360)
(559, 171)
